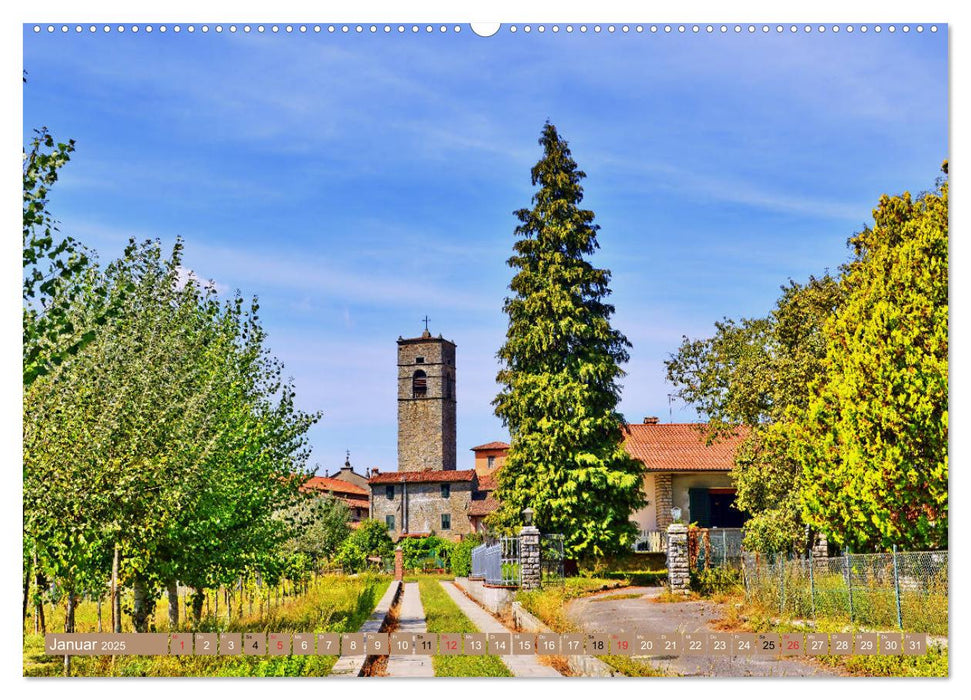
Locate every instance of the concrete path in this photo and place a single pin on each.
(520, 666)
(599, 613)
(354, 665)
(411, 618)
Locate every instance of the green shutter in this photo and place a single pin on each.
(699, 507)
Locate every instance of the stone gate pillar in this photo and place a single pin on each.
(399, 564)
(529, 558)
(679, 579)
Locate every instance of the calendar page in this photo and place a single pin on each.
(524, 349)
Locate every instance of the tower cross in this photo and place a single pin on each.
(426, 320)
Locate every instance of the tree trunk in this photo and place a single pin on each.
(31, 564)
(40, 617)
(99, 615)
(115, 596)
(69, 626)
(198, 598)
(173, 588)
(142, 608)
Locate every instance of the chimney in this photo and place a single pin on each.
(650, 420)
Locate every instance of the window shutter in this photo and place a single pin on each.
(699, 507)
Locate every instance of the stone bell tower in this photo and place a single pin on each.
(426, 403)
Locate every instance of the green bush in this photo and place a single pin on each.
(462, 555)
(431, 552)
(371, 539)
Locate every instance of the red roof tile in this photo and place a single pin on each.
(680, 447)
(423, 476)
(491, 446)
(483, 507)
(326, 483)
(488, 482)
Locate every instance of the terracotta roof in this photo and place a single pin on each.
(483, 507)
(424, 476)
(492, 446)
(680, 447)
(488, 482)
(326, 483)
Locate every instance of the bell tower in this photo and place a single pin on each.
(426, 403)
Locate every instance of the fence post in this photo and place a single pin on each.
(849, 579)
(531, 575)
(812, 585)
(896, 588)
(782, 585)
(679, 577)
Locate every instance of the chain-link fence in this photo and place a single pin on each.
(712, 547)
(905, 590)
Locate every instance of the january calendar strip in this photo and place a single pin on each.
(643, 644)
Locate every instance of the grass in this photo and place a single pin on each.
(332, 604)
(549, 605)
(755, 617)
(443, 615)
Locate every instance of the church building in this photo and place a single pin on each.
(427, 494)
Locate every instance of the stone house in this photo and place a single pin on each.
(423, 503)
(427, 494)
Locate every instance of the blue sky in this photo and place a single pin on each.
(356, 182)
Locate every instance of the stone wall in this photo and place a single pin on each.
(662, 492)
(422, 512)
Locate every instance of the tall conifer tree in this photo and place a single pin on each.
(560, 371)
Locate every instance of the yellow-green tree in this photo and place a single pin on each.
(872, 441)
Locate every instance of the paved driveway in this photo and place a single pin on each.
(600, 613)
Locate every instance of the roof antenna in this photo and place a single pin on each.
(670, 403)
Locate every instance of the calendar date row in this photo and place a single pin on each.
(498, 644)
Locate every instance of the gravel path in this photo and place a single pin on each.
(599, 613)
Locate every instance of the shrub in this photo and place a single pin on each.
(427, 552)
(462, 555)
(371, 539)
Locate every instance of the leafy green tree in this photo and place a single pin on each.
(171, 437)
(873, 439)
(53, 265)
(748, 378)
(370, 539)
(321, 525)
(560, 371)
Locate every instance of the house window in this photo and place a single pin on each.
(389, 521)
(446, 521)
(446, 490)
(389, 491)
(419, 384)
(492, 462)
(419, 360)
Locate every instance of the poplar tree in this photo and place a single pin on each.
(873, 442)
(560, 367)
